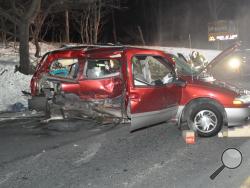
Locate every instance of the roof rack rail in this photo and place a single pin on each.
(84, 47)
(90, 46)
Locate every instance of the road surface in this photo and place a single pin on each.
(103, 156)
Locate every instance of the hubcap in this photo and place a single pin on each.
(205, 121)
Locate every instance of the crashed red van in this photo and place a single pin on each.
(136, 84)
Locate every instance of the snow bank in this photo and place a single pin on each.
(12, 84)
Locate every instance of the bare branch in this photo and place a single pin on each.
(17, 11)
(33, 9)
(49, 23)
(8, 32)
(220, 6)
(8, 16)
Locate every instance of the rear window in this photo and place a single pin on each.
(64, 68)
(102, 68)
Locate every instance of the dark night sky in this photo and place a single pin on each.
(164, 21)
(167, 22)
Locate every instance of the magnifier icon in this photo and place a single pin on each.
(231, 158)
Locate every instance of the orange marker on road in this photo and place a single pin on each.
(189, 136)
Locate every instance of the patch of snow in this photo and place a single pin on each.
(11, 85)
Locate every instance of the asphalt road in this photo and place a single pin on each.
(106, 157)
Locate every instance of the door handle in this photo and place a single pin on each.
(135, 97)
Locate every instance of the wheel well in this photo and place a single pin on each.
(183, 116)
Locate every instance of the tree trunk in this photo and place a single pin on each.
(38, 48)
(67, 26)
(24, 48)
(15, 32)
(82, 31)
(3, 33)
(114, 27)
(4, 39)
(87, 27)
(159, 22)
(141, 35)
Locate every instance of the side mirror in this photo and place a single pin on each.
(158, 83)
(180, 82)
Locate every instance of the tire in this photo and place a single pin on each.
(205, 119)
(38, 103)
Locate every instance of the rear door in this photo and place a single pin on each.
(102, 79)
(153, 95)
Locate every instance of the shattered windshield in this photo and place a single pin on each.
(183, 68)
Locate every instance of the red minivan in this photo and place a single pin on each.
(138, 84)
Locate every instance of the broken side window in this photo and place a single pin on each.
(64, 68)
(102, 68)
(151, 70)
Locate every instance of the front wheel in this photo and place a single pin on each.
(205, 119)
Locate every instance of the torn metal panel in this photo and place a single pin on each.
(100, 89)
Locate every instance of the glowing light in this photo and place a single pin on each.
(227, 37)
(211, 38)
(234, 63)
(214, 37)
(237, 102)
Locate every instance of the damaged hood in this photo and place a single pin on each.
(236, 89)
(219, 57)
(205, 74)
(217, 84)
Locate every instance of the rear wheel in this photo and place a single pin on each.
(205, 119)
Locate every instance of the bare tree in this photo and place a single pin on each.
(90, 21)
(114, 26)
(3, 33)
(132, 35)
(21, 14)
(215, 8)
(141, 35)
(35, 31)
(48, 7)
(38, 22)
(67, 26)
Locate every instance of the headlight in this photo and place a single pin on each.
(243, 99)
(237, 102)
(234, 63)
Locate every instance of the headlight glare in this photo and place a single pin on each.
(234, 63)
(242, 99)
